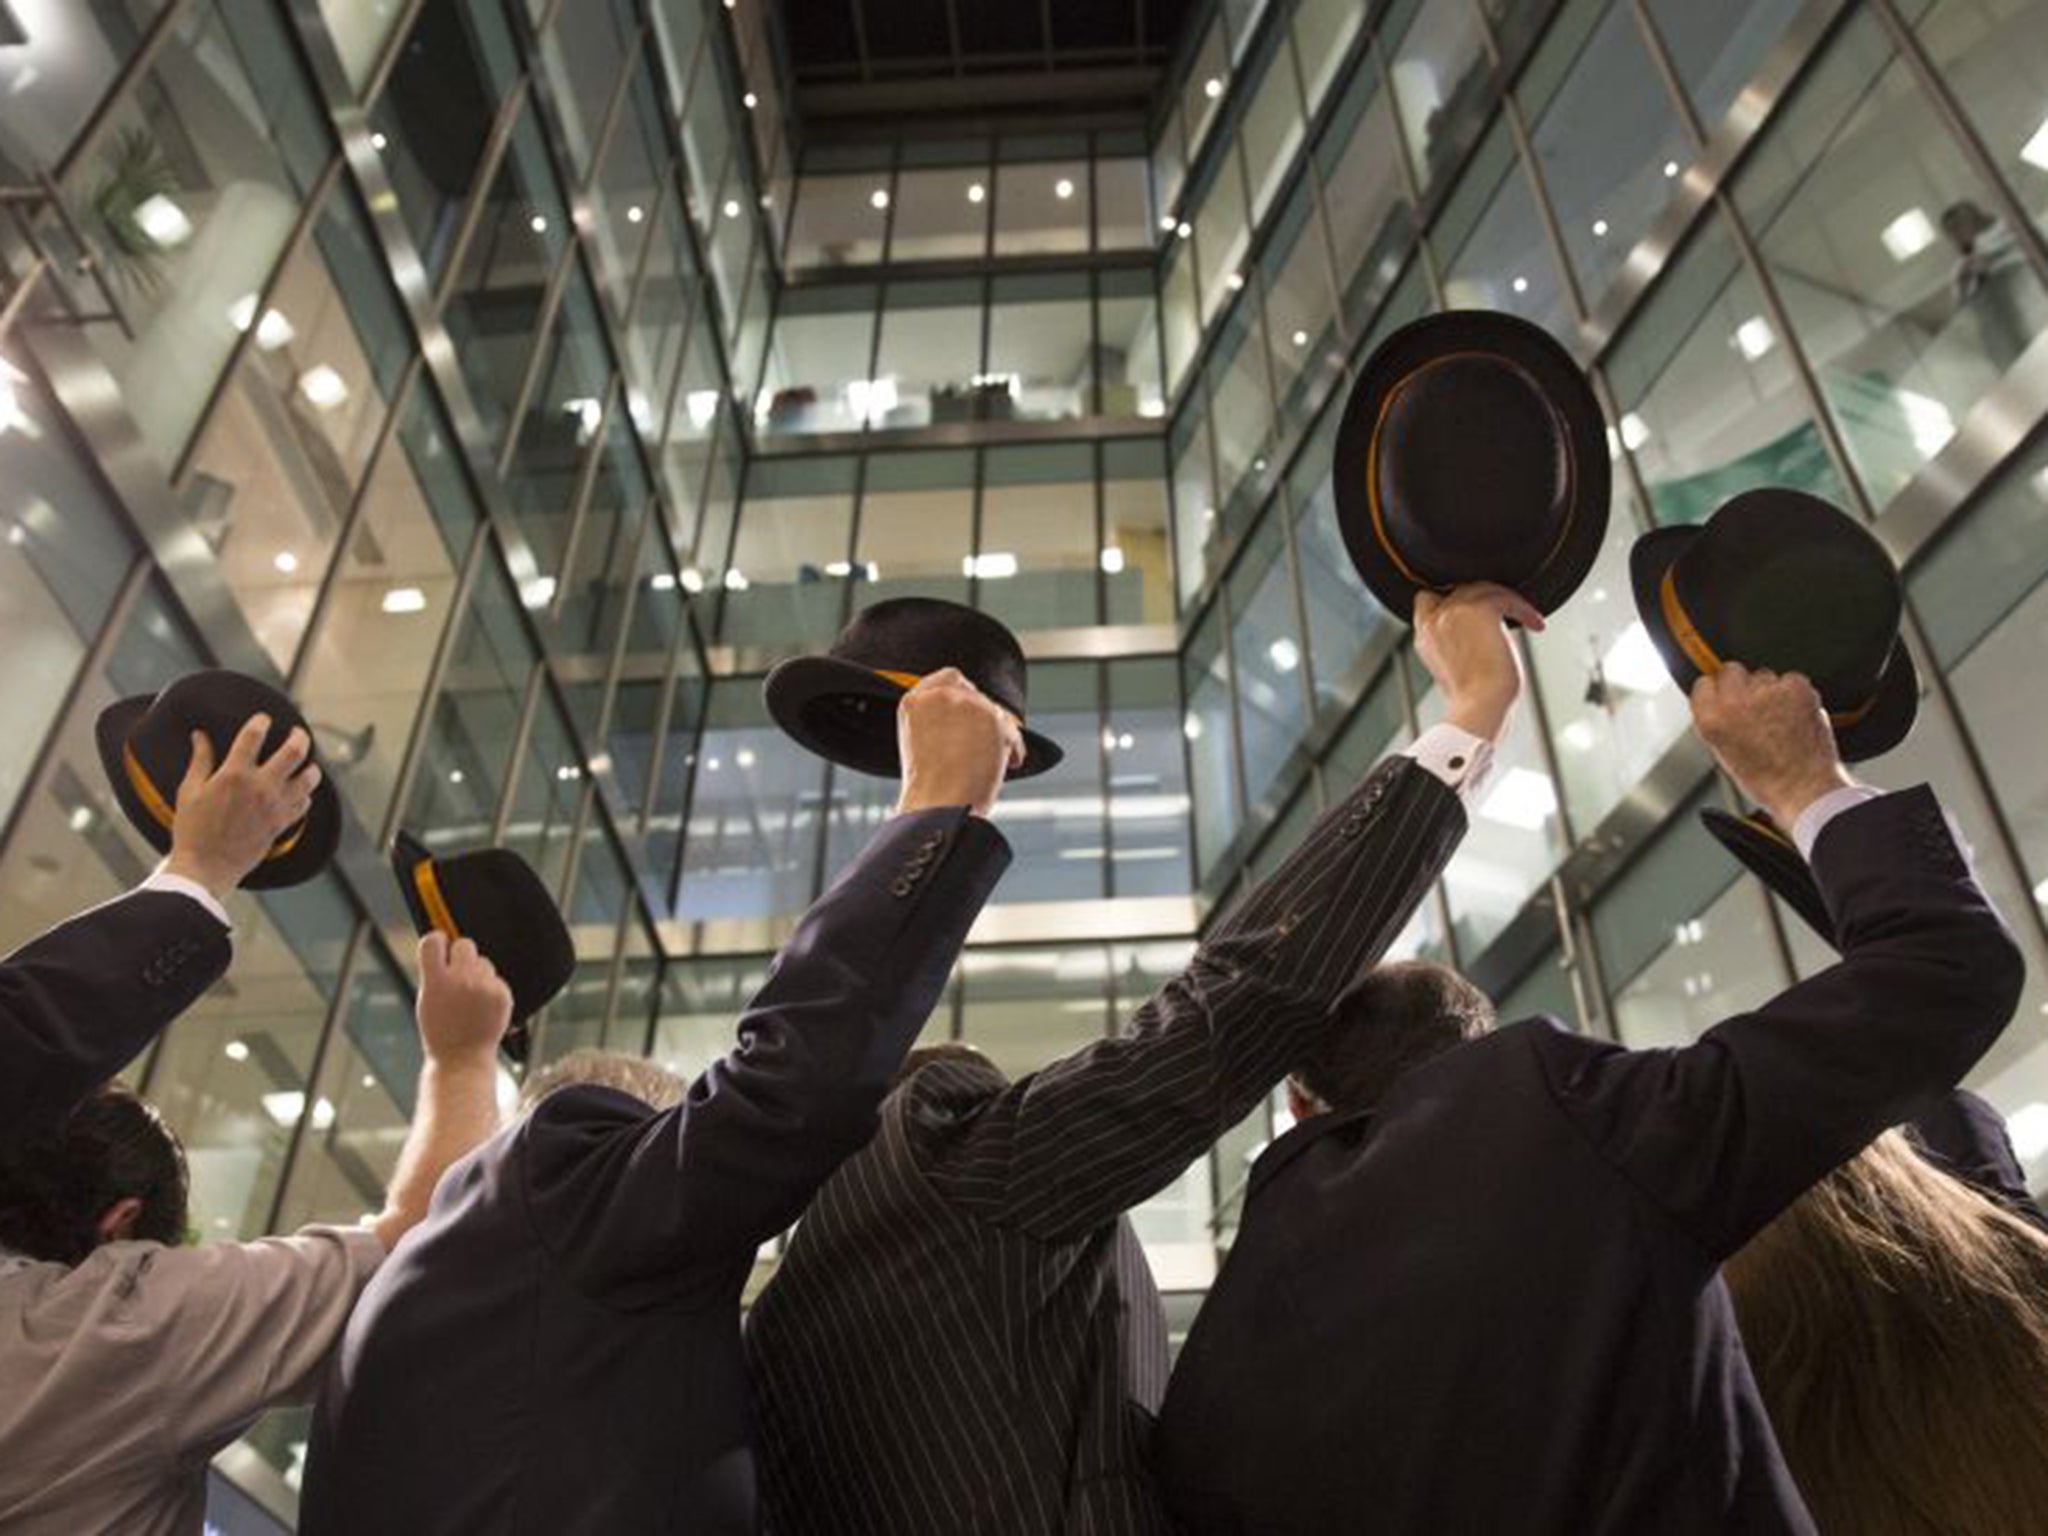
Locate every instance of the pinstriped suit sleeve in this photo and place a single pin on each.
(641, 1212)
(1090, 1136)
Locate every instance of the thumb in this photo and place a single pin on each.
(200, 768)
(433, 956)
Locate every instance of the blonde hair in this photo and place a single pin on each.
(1897, 1324)
(652, 1085)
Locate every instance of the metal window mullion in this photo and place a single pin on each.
(387, 61)
(491, 161)
(522, 739)
(583, 493)
(1524, 153)
(1667, 71)
(336, 1002)
(537, 360)
(122, 88)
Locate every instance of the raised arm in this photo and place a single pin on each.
(1092, 1135)
(1726, 1132)
(81, 1002)
(694, 1190)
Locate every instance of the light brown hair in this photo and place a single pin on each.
(1897, 1323)
(652, 1085)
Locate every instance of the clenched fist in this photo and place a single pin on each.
(957, 745)
(465, 1007)
(228, 817)
(1771, 735)
(1462, 639)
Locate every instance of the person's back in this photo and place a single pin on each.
(1478, 1288)
(1897, 1321)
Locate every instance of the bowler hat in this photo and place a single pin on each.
(491, 897)
(842, 705)
(1769, 854)
(1782, 580)
(145, 746)
(1472, 449)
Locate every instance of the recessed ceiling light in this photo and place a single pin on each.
(1184, 229)
(236, 1050)
(538, 223)
(732, 208)
(1599, 229)
(1520, 285)
(997, 565)
(285, 562)
(1167, 222)
(323, 388)
(1670, 169)
(405, 600)
(1113, 562)
(1633, 662)
(1063, 188)
(163, 221)
(1235, 281)
(878, 199)
(378, 141)
(1908, 235)
(1300, 338)
(635, 214)
(976, 192)
(1754, 337)
(750, 101)
(2035, 150)
(1212, 87)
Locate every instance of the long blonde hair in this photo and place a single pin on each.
(1897, 1323)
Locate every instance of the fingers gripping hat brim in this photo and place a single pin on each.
(846, 714)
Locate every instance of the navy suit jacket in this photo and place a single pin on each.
(557, 1347)
(1494, 1304)
(81, 1002)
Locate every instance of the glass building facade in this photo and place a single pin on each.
(518, 380)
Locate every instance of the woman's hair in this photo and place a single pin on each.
(1897, 1323)
(55, 1187)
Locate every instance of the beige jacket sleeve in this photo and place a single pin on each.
(241, 1327)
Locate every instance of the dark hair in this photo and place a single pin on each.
(54, 1188)
(1398, 1017)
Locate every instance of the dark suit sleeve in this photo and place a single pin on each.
(689, 1193)
(1085, 1139)
(81, 1002)
(1725, 1133)
(1966, 1137)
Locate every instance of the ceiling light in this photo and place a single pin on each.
(1670, 169)
(732, 208)
(997, 565)
(1191, 727)
(1908, 235)
(736, 581)
(712, 765)
(2041, 894)
(693, 580)
(750, 101)
(284, 562)
(1523, 799)
(369, 1080)
(323, 388)
(702, 404)
(1112, 560)
(1634, 431)
(236, 1050)
(1212, 87)
(1126, 741)
(455, 775)
(378, 141)
(539, 593)
(272, 331)
(1284, 654)
(12, 416)
(635, 214)
(1754, 337)
(872, 399)
(878, 199)
(1063, 188)
(840, 568)
(2028, 1127)
(1579, 736)
(1928, 421)
(2035, 150)
(1599, 229)
(1167, 222)
(1300, 338)
(744, 757)
(1634, 662)
(589, 414)
(406, 600)
(976, 192)
(1235, 281)
(1520, 285)
(163, 221)
(538, 223)
(81, 818)
(662, 581)
(568, 773)
(285, 1109)
(1108, 739)
(1184, 229)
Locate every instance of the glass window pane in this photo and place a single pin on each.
(55, 76)
(916, 527)
(1055, 822)
(1038, 556)
(1025, 1008)
(1266, 639)
(1197, 527)
(581, 57)
(786, 586)
(1863, 206)
(1042, 207)
(1149, 848)
(1211, 753)
(1221, 237)
(1040, 341)
(1201, 93)
(1994, 56)
(1137, 566)
(564, 415)
(1127, 319)
(1301, 306)
(816, 377)
(627, 187)
(547, 794)
(1272, 131)
(1124, 219)
(1710, 403)
(1378, 729)
(1371, 223)
(1505, 262)
(469, 739)
(840, 220)
(931, 343)
(1607, 188)
(707, 141)
(1241, 408)
(1169, 163)
(1443, 83)
(701, 1001)
(941, 213)
(1183, 331)
(1349, 632)
(752, 849)
(1718, 49)
(1323, 30)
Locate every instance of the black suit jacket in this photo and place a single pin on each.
(964, 1336)
(81, 1002)
(557, 1347)
(1494, 1304)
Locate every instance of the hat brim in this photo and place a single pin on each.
(1563, 383)
(317, 841)
(1887, 722)
(1759, 847)
(846, 714)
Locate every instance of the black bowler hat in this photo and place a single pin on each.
(145, 746)
(1782, 580)
(842, 705)
(1472, 449)
(1770, 854)
(493, 898)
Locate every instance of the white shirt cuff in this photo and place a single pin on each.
(178, 885)
(1457, 757)
(1813, 820)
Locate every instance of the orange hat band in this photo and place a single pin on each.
(161, 812)
(427, 885)
(1372, 473)
(1703, 656)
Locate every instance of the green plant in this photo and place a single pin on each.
(136, 172)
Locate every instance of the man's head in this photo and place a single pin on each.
(1398, 1017)
(112, 1172)
(946, 1050)
(655, 1086)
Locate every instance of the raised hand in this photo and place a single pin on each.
(1771, 735)
(956, 743)
(1461, 637)
(229, 816)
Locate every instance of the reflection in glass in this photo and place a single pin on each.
(1212, 759)
(791, 562)
(1037, 563)
(1127, 345)
(926, 370)
(916, 526)
(1371, 223)
(816, 377)
(1719, 48)
(752, 845)
(1137, 565)
(1994, 56)
(1266, 642)
(1040, 345)
(1443, 83)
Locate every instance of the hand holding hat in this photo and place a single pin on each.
(956, 744)
(1769, 732)
(228, 817)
